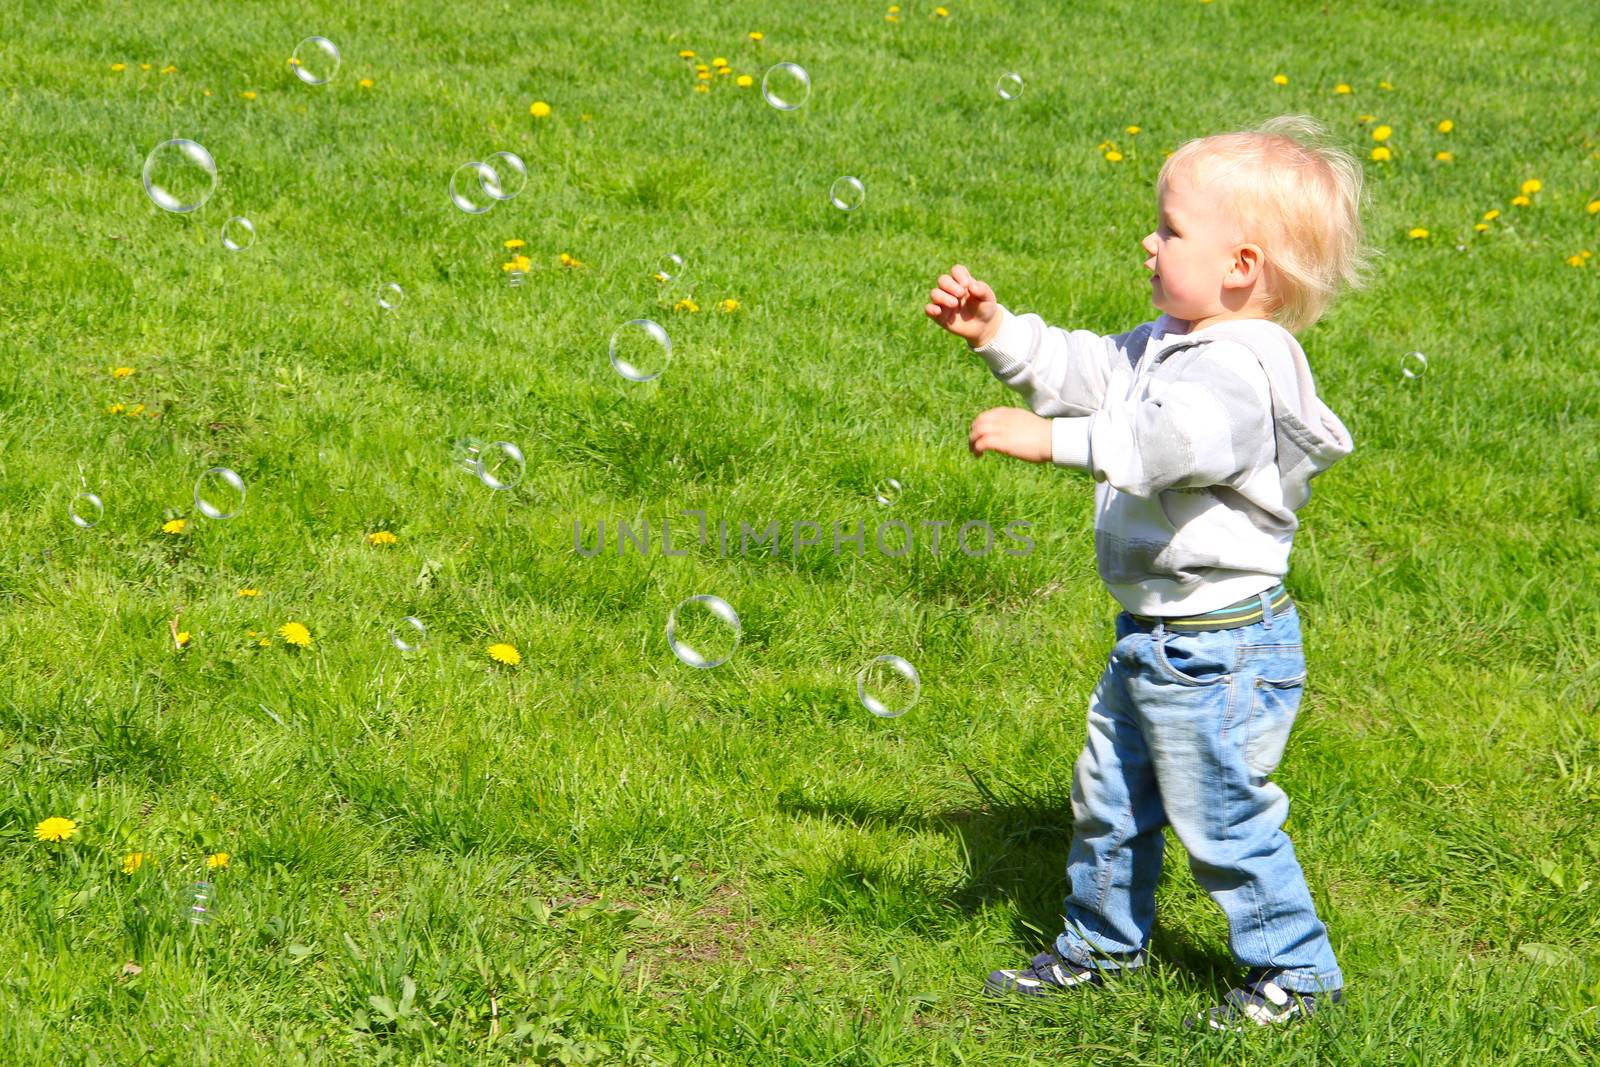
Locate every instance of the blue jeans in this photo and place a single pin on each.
(1186, 728)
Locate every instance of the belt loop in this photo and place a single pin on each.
(1266, 609)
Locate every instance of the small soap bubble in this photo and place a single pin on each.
(786, 86)
(500, 465)
(198, 904)
(510, 174)
(888, 686)
(515, 278)
(238, 234)
(703, 631)
(470, 185)
(389, 295)
(409, 634)
(465, 452)
(315, 60)
(219, 493)
(86, 510)
(179, 175)
(1413, 364)
(847, 193)
(887, 491)
(640, 350)
(1009, 85)
(670, 268)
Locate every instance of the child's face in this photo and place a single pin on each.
(1192, 250)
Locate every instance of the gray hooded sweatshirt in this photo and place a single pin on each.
(1202, 446)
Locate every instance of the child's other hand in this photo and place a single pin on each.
(1013, 432)
(965, 306)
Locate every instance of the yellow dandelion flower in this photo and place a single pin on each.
(1417, 233)
(381, 537)
(1574, 261)
(744, 81)
(701, 68)
(144, 66)
(1385, 85)
(132, 862)
(1532, 185)
(207, 92)
(134, 412)
(756, 35)
(539, 109)
(1446, 126)
(702, 87)
(119, 67)
(248, 94)
(1445, 157)
(1586, 254)
(250, 633)
(247, 591)
(1364, 119)
(894, 9)
(295, 633)
(941, 12)
(293, 62)
(891, 18)
(686, 54)
(365, 83)
(1481, 226)
(264, 642)
(515, 242)
(121, 372)
(113, 409)
(182, 639)
(723, 72)
(174, 526)
(1381, 133)
(1341, 89)
(1520, 201)
(1492, 214)
(704, 75)
(1594, 207)
(522, 262)
(504, 653)
(720, 61)
(1133, 131)
(169, 69)
(1280, 79)
(1381, 154)
(55, 828)
(570, 261)
(217, 861)
(686, 305)
(1113, 156)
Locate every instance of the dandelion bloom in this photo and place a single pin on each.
(132, 862)
(1417, 233)
(521, 262)
(1492, 214)
(249, 592)
(365, 83)
(515, 242)
(1574, 261)
(1341, 88)
(1481, 227)
(169, 69)
(121, 372)
(264, 642)
(720, 61)
(113, 409)
(729, 304)
(182, 639)
(686, 305)
(217, 861)
(1520, 201)
(55, 828)
(248, 94)
(174, 526)
(1113, 156)
(504, 653)
(1133, 131)
(539, 109)
(891, 18)
(1364, 119)
(1385, 85)
(119, 67)
(1594, 207)
(686, 54)
(381, 537)
(744, 81)
(1381, 154)
(1280, 79)
(1446, 126)
(570, 261)
(1532, 185)
(702, 87)
(1444, 157)
(703, 75)
(295, 633)
(941, 12)
(133, 412)
(144, 66)
(756, 35)
(1381, 133)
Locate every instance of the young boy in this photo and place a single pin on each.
(1202, 430)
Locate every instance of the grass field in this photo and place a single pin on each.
(601, 855)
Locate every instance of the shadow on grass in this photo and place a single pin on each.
(1016, 841)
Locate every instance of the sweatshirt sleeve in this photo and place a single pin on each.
(1209, 425)
(1058, 372)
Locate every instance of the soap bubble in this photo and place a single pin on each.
(409, 634)
(888, 686)
(887, 491)
(1009, 85)
(515, 278)
(389, 295)
(640, 350)
(86, 510)
(238, 234)
(509, 175)
(470, 185)
(671, 267)
(703, 631)
(1413, 364)
(786, 86)
(465, 452)
(847, 193)
(219, 493)
(197, 904)
(179, 175)
(500, 465)
(315, 60)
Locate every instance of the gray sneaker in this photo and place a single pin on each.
(1261, 1002)
(1047, 973)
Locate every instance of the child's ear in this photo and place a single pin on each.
(1249, 263)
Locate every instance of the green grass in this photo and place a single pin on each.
(603, 856)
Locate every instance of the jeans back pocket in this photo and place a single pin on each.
(1274, 702)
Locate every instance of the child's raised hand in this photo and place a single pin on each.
(965, 306)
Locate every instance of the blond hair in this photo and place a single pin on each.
(1285, 188)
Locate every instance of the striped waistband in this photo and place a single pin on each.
(1243, 613)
